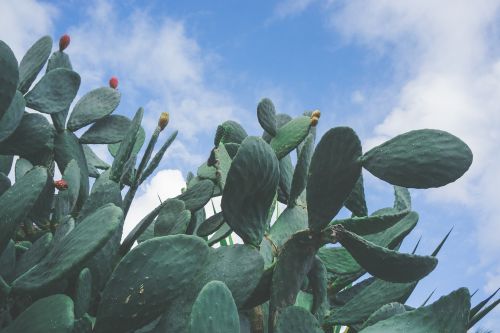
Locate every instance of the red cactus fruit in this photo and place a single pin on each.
(113, 82)
(64, 42)
(61, 184)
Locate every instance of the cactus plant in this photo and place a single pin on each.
(65, 268)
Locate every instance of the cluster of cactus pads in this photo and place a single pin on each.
(65, 267)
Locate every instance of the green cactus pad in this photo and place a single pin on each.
(419, 159)
(67, 148)
(9, 77)
(6, 163)
(12, 117)
(94, 160)
(110, 129)
(394, 235)
(402, 198)
(33, 62)
(4, 183)
(318, 284)
(356, 202)
(338, 260)
(240, 267)
(198, 195)
(66, 200)
(210, 225)
(371, 224)
(299, 180)
(22, 167)
(93, 106)
(449, 314)
(385, 312)
(297, 320)
(293, 264)
(223, 163)
(286, 174)
(139, 290)
(383, 263)
(207, 318)
(82, 292)
(281, 119)
(367, 300)
(223, 232)
(67, 256)
(290, 221)
(52, 314)
(126, 147)
(8, 262)
(18, 200)
(230, 132)
(290, 135)
(34, 255)
(155, 161)
(104, 191)
(333, 173)
(33, 136)
(63, 228)
(83, 325)
(206, 172)
(266, 114)
(173, 219)
(54, 92)
(58, 59)
(250, 188)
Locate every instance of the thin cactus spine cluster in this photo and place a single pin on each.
(64, 268)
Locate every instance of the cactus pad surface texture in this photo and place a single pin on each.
(67, 266)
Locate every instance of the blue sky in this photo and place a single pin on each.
(381, 67)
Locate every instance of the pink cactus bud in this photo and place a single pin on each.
(113, 82)
(61, 184)
(64, 42)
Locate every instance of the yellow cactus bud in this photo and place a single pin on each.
(316, 113)
(314, 121)
(163, 121)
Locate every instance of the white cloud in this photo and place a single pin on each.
(446, 52)
(23, 22)
(291, 7)
(165, 184)
(158, 65)
(357, 97)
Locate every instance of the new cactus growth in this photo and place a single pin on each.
(64, 267)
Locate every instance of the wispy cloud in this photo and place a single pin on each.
(451, 80)
(291, 7)
(25, 21)
(159, 66)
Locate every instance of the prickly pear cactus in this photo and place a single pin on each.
(66, 266)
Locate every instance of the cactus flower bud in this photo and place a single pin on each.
(316, 113)
(113, 82)
(163, 121)
(314, 121)
(64, 42)
(61, 184)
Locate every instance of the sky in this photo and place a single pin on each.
(382, 67)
